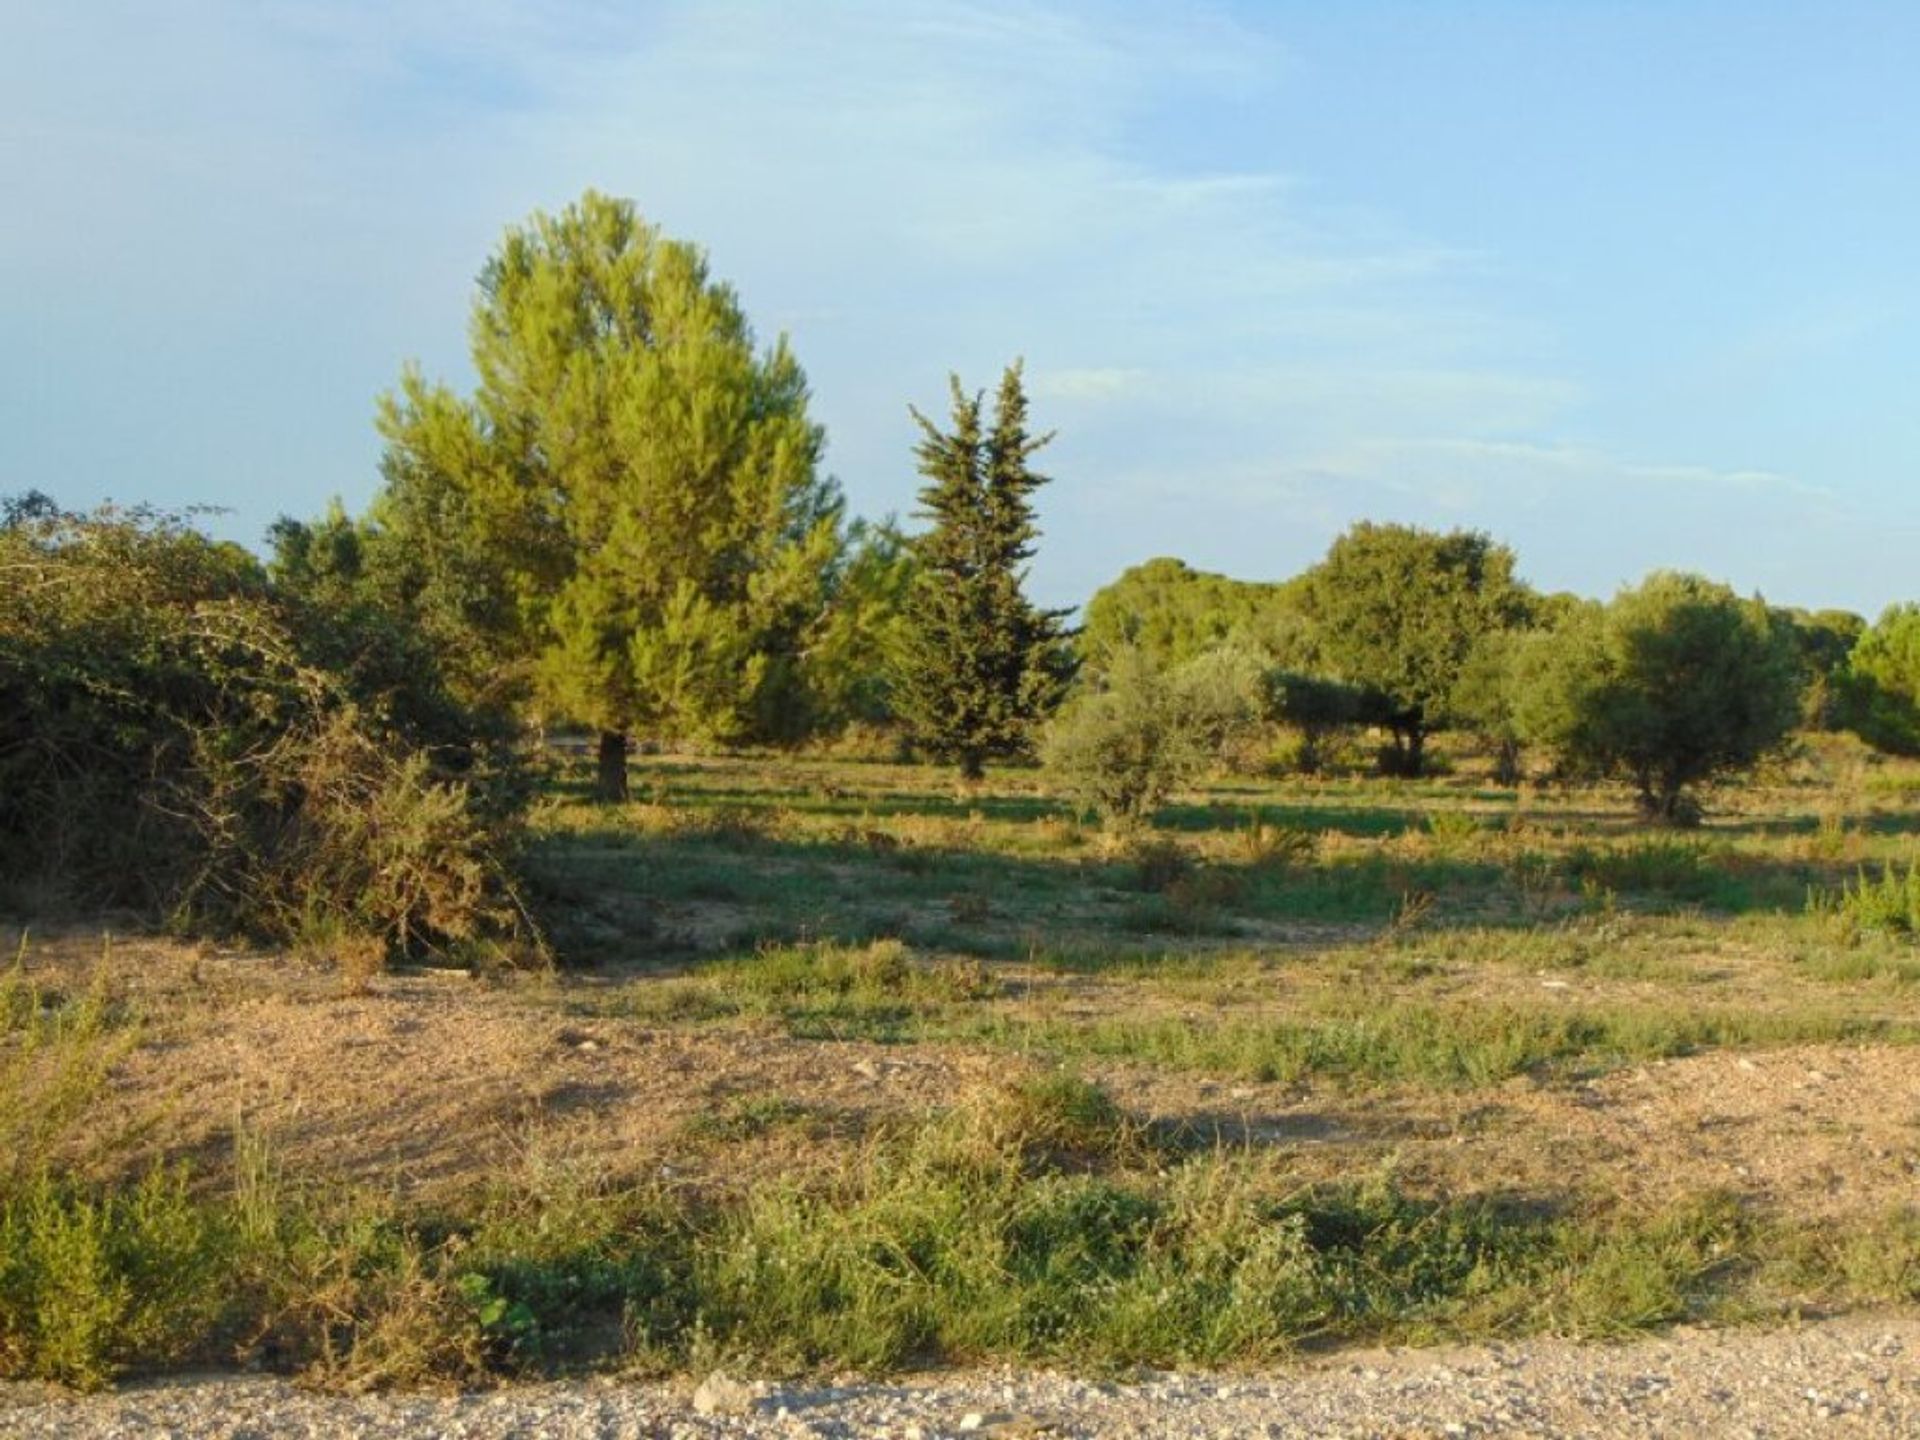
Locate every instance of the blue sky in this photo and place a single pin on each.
(1627, 285)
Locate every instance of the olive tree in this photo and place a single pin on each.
(1397, 610)
(1678, 681)
(1139, 731)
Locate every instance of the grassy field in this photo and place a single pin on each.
(851, 1068)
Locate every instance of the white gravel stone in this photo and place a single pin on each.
(1839, 1377)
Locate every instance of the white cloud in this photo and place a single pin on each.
(1555, 466)
(1092, 384)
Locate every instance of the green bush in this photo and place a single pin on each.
(91, 1284)
(1890, 904)
(1123, 749)
(177, 737)
(1224, 695)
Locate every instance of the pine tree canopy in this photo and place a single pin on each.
(641, 481)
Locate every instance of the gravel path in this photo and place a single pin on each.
(1851, 1377)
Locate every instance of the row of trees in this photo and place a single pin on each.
(1406, 631)
(627, 526)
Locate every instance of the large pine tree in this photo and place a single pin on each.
(628, 517)
(981, 666)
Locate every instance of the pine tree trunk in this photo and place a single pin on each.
(611, 784)
(1506, 763)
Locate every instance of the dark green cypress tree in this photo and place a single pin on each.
(981, 666)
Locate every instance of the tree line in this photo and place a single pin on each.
(627, 527)
(1407, 631)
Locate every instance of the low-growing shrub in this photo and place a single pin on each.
(1158, 864)
(56, 1049)
(89, 1284)
(1449, 832)
(1890, 904)
(1122, 750)
(1272, 847)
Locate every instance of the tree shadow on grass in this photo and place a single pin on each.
(1787, 826)
(611, 895)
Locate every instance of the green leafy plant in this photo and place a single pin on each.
(1889, 904)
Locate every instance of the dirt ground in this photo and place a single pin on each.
(424, 1081)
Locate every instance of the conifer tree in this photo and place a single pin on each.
(980, 666)
(636, 481)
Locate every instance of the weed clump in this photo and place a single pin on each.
(1160, 864)
(1050, 1119)
(1889, 905)
(90, 1284)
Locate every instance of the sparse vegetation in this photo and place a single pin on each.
(1214, 1090)
(836, 1064)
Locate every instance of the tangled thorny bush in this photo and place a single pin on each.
(177, 739)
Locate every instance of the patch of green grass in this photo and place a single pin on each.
(951, 1246)
(1033, 1221)
(880, 972)
(880, 990)
(1408, 1042)
(745, 1117)
(1118, 962)
(1662, 868)
(1623, 947)
(1853, 964)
